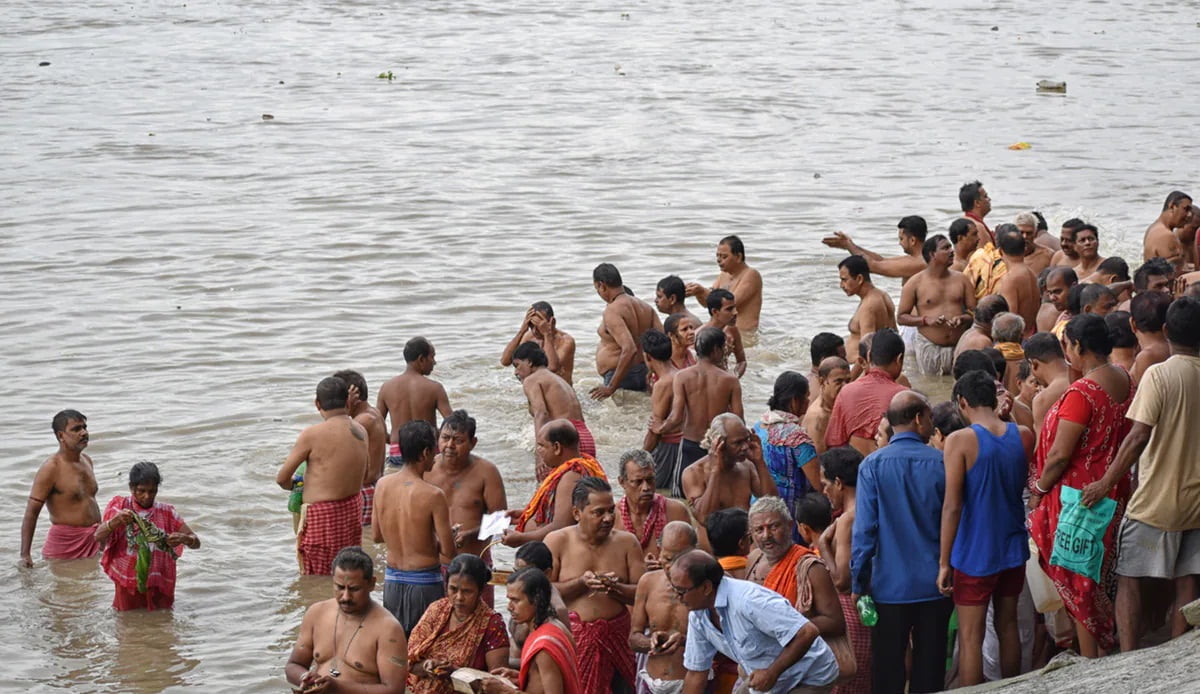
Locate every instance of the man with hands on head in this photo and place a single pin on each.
(732, 472)
(540, 326)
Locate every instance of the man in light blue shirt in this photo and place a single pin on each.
(778, 648)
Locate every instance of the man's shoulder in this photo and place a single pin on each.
(676, 507)
(562, 535)
(623, 539)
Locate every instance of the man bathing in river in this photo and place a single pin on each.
(939, 302)
(911, 233)
(744, 281)
(722, 312)
(669, 297)
(540, 327)
(1160, 240)
(1019, 286)
(412, 394)
(732, 472)
(336, 452)
(66, 483)
(664, 447)
(359, 407)
(875, 309)
(350, 642)
(618, 357)
(560, 466)
(548, 395)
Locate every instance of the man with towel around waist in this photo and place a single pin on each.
(413, 517)
(336, 453)
(67, 484)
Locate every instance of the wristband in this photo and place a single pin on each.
(1038, 488)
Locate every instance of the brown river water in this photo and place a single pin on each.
(184, 271)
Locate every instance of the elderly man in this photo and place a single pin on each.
(1007, 331)
(658, 621)
(642, 511)
(895, 549)
(1037, 256)
(979, 335)
(779, 649)
(66, 483)
(563, 465)
(732, 472)
(861, 404)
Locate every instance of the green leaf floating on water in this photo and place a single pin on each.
(148, 534)
(386, 76)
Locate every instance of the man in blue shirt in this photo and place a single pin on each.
(778, 648)
(895, 550)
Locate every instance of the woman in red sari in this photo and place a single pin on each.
(1079, 437)
(548, 663)
(122, 537)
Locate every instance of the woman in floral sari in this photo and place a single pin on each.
(1079, 437)
(459, 630)
(787, 448)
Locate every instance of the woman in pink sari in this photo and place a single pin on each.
(548, 663)
(1079, 437)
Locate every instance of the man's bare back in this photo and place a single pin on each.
(550, 397)
(618, 555)
(816, 421)
(1045, 399)
(411, 396)
(702, 392)
(1020, 289)
(336, 451)
(377, 440)
(625, 318)
(413, 518)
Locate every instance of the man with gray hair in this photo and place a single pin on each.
(643, 511)
(732, 472)
(1037, 256)
(1008, 329)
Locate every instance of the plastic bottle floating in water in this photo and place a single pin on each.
(866, 610)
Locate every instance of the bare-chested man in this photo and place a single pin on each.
(722, 312)
(1059, 281)
(541, 327)
(66, 483)
(939, 302)
(911, 233)
(875, 309)
(359, 407)
(1067, 256)
(350, 642)
(1160, 240)
(643, 511)
(744, 281)
(472, 486)
(413, 517)
(1186, 233)
(1008, 329)
(700, 393)
(664, 447)
(979, 335)
(732, 472)
(1044, 237)
(336, 453)
(669, 296)
(976, 204)
(833, 373)
(1019, 286)
(618, 358)
(412, 394)
(1148, 315)
(658, 620)
(560, 466)
(1046, 362)
(596, 570)
(548, 395)
(964, 235)
(1037, 256)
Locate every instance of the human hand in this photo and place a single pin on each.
(353, 397)
(512, 538)
(755, 444)
(593, 582)
(529, 318)
(652, 563)
(602, 392)
(665, 642)
(26, 562)
(1094, 492)
(122, 519)
(312, 683)
(945, 580)
(176, 539)
(1035, 500)
(440, 669)
(692, 288)
(838, 240)
(762, 680)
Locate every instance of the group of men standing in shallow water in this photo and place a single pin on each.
(736, 557)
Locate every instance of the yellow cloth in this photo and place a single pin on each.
(985, 268)
(1060, 327)
(1011, 351)
(1168, 492)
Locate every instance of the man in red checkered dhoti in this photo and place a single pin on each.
(326, 528)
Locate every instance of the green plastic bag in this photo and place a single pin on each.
(1079, 539)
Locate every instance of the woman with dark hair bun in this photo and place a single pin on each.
(1080, 436)
(788, 450)
(548, 661)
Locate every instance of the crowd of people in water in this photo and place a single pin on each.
(854, 537)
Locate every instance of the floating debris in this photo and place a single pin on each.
(625, 16)
(1053, 86)
(44, 63)
(267, 116)
(1020, 145)
(386, 76)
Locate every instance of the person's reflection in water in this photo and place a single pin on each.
(148, 656)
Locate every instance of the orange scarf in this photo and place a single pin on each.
(433, 638)
(732, 563)
(782, 578)
(1011, 350)
(541, 506)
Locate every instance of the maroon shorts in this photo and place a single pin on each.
(974, 591)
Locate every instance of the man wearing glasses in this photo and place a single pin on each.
(779, 650)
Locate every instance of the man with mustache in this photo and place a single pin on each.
(644, 512)
(66, 483)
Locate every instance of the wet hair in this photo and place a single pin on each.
(726, 530)
(1041, 221)
(947, 418)
(354, 559)
(770, 504)
(978, 388)
(62, 419)
(585, 487)
(1183, 322)
(1073, 225)
(471, 566)
(1091, 293)
(1149, 311)
(989, 307)
(999, 363)
(1088, 227)
(824, 345)
(968, 195)
(672, 287)
(1120, 331)
(640, 457)
(1067, 274)
(972, 360)
(789, 386)
(716, 429)
(1009, 239)
(607, 274)
(930, 246)
(671, 324)
(1090, 333)
(530, 352)
(1155, 266)
(841, 463)
(535, 553)
(416, 348)
(1175, 197)
(1075, 298)
(824, 369)
(1008, 327)
(1026, 218)
(460, 421)
(886, 347)
(735, 244)
(416, 437)
(710, 341)
(354, 379)
(1043, 347)
(332, 393)
(563, 433)
(717, 297)
(1115, 266)
(907, 412)
(537, 590)
(700, 566)
(543, 307)
(656, 344)
(144, 473)
(960, 228)
(814, 510)
(914, 226)
(856, 266)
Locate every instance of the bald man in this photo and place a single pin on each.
(659, 622)
(979, 335)
(1008, 329)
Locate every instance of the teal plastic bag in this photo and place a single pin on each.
(1079, 539)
